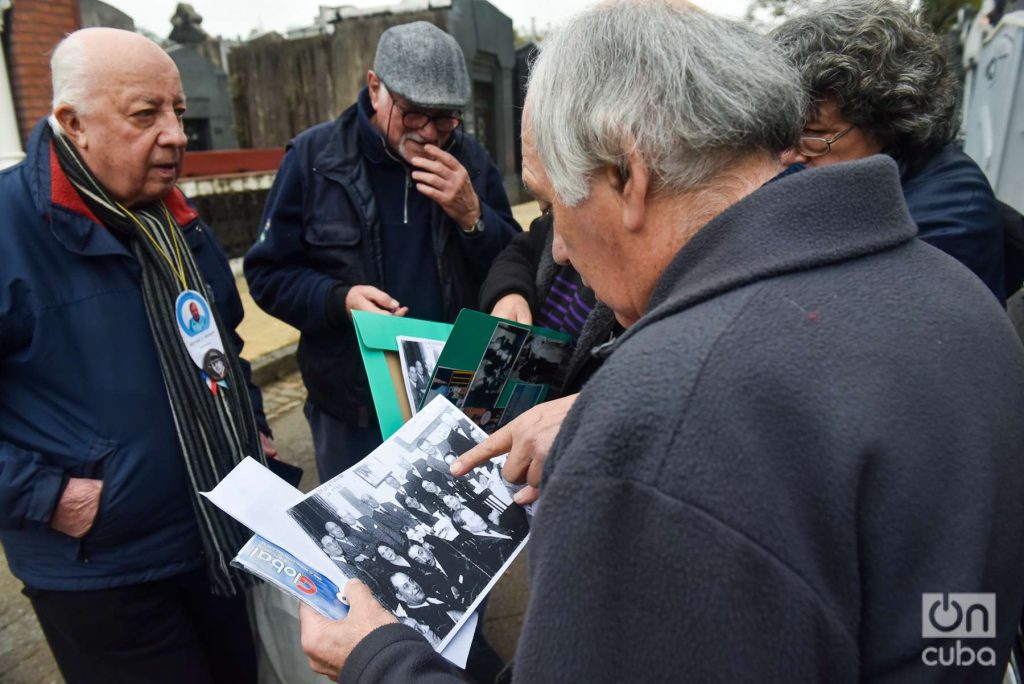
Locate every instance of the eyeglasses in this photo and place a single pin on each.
(819, 147)
(414, 121)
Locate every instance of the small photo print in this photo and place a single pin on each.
(450, 384)
(428, 544)
(418, 356)
(523, 398)
(542, 360)
(495, 365)
(489, 419)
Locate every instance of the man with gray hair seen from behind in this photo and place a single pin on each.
(393, 209)
(113, 297)
(878, 82)
(780, 460)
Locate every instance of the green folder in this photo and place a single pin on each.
(495, 369)
(377, 335)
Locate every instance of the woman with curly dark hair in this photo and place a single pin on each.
(878, 82)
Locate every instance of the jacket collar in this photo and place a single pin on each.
(52, 193)
(341, 154)
(800, 222)
(371, 143)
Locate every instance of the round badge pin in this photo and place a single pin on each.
(199, 332)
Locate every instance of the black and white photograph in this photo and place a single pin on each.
(541, 361)
(428, 544)
(449, 383)
(495, 365)
(418, 357)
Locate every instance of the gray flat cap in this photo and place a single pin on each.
(424, 65)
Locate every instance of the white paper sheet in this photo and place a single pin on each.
(258, 499)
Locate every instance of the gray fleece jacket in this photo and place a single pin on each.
(818, 420)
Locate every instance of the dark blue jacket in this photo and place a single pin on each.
(321, 235)
(952, 203)
(81, 392)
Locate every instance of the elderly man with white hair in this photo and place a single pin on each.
(122, 394)
(784, 466)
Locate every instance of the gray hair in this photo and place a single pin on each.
(691, 93)
(71, 71)
(884, 67)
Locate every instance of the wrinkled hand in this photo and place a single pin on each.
(328, 643)
(513, 307)
(527, 440)
(369, 298)
(444, 180)
(76, 511)
(269, 450)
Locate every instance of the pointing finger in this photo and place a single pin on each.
(497, 444)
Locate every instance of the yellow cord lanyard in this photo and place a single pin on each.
(178, 263)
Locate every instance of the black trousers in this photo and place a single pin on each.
(171, 630)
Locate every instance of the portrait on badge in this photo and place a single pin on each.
(193, 314)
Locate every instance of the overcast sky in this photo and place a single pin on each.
(232, 18)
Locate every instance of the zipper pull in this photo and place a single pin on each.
(408, 184)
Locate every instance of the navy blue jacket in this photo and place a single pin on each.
(321, 235)
(952, 203)
(81, 391)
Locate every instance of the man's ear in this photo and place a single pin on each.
(373, 85)
(631, 180)
(72, 124)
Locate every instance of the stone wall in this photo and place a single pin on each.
(234, 217)
(232, 206)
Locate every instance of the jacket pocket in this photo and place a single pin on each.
(94, 467)
(336, 248)
(333, 234)
(94, 460)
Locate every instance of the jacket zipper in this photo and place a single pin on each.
(408, 182)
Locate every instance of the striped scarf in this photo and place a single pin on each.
(215, 429)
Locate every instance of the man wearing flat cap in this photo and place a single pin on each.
(391, 208)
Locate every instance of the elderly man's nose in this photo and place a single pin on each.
(430, 132)
(558, 251)
(173, 134)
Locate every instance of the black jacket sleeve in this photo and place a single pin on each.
(514, 271)
(397, 654)
(281, 280)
